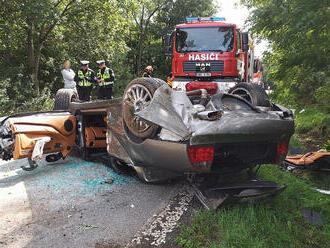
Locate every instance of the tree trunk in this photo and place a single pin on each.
(139, 58)
(33, 52)
(35, 40)
(35, 69)
(143, 33)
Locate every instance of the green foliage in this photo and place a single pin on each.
(43, 102)
(275, 222)
(299, 35)
(313, 120)
(322, 95)
(28, 101)
(326, 145)
(6, 104)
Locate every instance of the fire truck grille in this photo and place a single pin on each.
(203, 66)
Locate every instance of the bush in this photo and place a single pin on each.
(322, 96)
(326, 145)
(6, 103)
(43, 102)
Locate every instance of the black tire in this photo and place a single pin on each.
(253, 93)
(118, 166)
(85, 154)
(139, 129)
(64, 97)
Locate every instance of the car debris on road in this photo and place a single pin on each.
(319, 160)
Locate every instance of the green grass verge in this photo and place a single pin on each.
(314, 125)
(313, 120)
(275, 222)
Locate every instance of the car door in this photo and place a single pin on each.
(20, 134)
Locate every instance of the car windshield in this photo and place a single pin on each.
(205, 39)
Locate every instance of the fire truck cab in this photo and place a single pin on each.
(209, 53)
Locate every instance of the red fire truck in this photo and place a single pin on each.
(258, 73)
(209, 53)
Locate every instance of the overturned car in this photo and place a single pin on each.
(160, 132)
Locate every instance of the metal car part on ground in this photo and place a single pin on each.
(212, 197)
(312, 160)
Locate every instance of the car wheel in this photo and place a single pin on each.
(64, 97)
(137, 96)
(253, 93)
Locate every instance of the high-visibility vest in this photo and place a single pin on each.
(146, 74)
(85, 79)
(106, 74)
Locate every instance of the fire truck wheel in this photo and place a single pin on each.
(137, 95)
(64, 97)
(253, 93)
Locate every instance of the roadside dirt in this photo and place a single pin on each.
(312, 142)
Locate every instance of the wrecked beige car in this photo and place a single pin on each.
(159, 132)
(154, 128)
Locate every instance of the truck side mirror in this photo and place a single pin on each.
(167, 45)
(245, 41)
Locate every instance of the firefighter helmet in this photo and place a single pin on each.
(149, 68)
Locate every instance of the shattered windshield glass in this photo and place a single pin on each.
(205, 39)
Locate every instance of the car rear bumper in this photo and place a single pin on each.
(173, 156)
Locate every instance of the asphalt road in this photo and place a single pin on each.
(69, 204)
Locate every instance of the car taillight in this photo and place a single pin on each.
(210, 87)
(201, 157)
(282, 150)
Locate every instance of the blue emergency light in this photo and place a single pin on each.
(204, 19)
(191, 19)
(219, 19)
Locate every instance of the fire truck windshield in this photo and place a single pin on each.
(204, 39)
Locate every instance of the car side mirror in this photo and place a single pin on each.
(167, 45)
(245, 41)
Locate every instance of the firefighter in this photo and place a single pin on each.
(148, 71)
(104, 77)
(169, 79)
(85, 79)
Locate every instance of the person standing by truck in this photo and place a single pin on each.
(148, 71)
(105, 79)
(68, 76)
(169, 79)
(85, 79)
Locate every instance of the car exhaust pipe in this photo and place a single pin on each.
(202, 93)
(210, 115)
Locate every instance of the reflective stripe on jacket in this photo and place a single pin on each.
(84, 79)
(106, 75)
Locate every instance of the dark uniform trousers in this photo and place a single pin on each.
(84, 93)
(105, 92)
